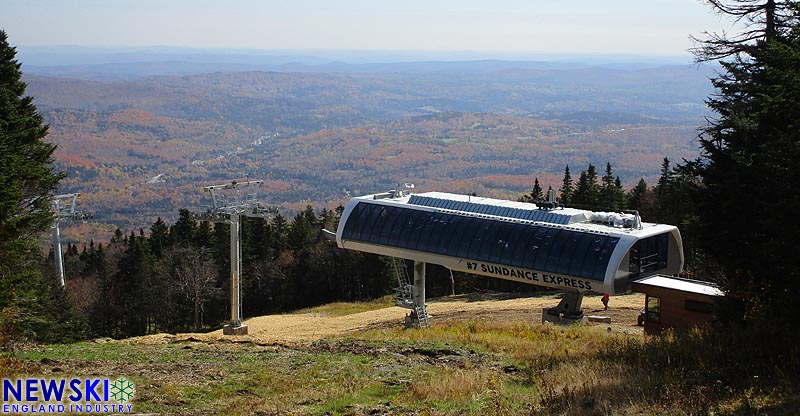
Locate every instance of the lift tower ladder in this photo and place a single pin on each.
(64, 209)
(405, 286)
(408, 292)
(228, 204)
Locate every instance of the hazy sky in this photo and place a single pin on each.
(651, 27)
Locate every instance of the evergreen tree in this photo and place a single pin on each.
(221, 250)
(327, 218)
(311, 216)
(62, 325)
(303, 230)
(183, 231)
(117, 237)
(608, 178)
(612, 197)
(750, 163)
(132, 299)
(566, 188)
(281, 228)
(27, 180)
(587, 192)
(204, 236)
(256, 237)
(536, 194)
(581, 197)
(639, 199)
(102, 310)
(89, 260)
(621, 198)
(159, 236)
(663, 194)
(337, 216)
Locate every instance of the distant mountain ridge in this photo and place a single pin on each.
(96, 63)
(661, 94)
(67, 55)
(130, 70)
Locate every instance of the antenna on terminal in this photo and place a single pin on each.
(403, 189)
(551, 201)
(637, 219)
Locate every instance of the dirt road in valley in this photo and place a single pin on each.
(293, 328)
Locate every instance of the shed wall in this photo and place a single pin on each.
(674, 312)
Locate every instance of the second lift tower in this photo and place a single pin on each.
(229, 204)
(64, 207)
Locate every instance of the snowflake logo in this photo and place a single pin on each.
(122, 390)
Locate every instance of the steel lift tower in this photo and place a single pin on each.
(64, 207)
(229, 203)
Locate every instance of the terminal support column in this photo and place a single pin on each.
(419, 284)
(419, 315)
(568, 310)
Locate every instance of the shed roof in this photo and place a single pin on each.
(684, 285)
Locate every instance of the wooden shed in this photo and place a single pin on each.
(673, 302)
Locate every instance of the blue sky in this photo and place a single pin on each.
(634, 27)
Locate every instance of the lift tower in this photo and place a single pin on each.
(229, 203)
(64, 207)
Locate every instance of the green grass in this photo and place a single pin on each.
(472, 368)
(349, 308)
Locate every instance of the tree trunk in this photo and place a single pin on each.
(197, 324)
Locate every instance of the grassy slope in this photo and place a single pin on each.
(465, 368)
(348, 308)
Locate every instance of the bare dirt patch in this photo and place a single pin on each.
(299, 328)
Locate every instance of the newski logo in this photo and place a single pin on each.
(91, 395)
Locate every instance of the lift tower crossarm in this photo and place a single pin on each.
(239, 204)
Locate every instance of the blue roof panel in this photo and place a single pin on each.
(497, 210)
